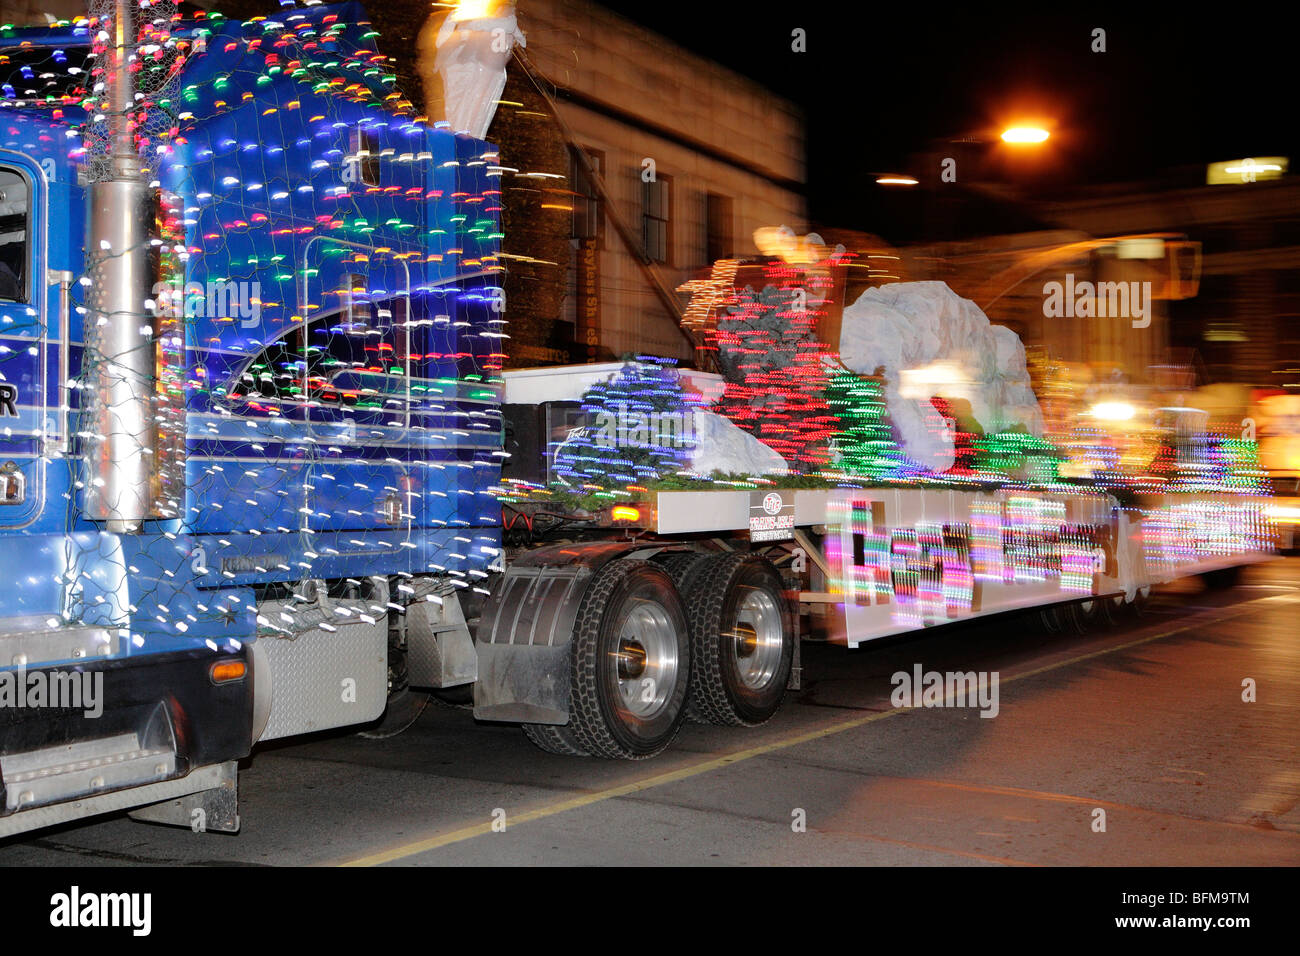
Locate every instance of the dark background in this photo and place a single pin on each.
(1179, 86)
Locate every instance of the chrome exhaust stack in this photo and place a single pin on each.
(119, 334)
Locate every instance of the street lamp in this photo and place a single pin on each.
(1025, 135)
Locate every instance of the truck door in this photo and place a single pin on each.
(356, 381)
(23, 307)
(321, 411)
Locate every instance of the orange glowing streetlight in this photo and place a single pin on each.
(896, 179)
(1025, 135)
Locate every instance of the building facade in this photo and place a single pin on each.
(694, 158)
(1243, 325)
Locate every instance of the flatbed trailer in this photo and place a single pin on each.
(866, 563)
(987, 551)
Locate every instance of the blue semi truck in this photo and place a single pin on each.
(248, 377)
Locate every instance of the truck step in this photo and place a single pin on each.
(31, 643)
(81, 769)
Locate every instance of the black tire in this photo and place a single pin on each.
(680, 566)
(404, 704)
(1100, 612)
(1067, 619)
(554, 739)
(721, 692)
(1140, 606)
(462, 695)
(625, 596)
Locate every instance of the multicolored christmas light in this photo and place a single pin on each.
(641, 428)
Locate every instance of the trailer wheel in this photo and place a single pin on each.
(555, 739)
(630, 663)
(1100, 612)
(679, 565)
(1069, 619)
(742, 640)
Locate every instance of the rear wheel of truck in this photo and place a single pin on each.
(630, 664)
(742, 640)
(555, 739)
(1067, 618)
(1101, 612)
(681, 566)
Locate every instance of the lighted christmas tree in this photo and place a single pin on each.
(864, 446)
(769, 351)
(641, 427)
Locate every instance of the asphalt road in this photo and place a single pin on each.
(1143, 723)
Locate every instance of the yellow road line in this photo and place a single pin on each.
(716, 763)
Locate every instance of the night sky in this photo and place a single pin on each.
(1173, 91)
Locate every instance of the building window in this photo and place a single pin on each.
(656, 230)
(588, 211)
(14, 208)
(719, 218)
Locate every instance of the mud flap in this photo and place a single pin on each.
(523, 645)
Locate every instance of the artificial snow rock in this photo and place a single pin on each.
(930, 342)
(722, 446)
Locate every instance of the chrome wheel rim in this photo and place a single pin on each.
(645, 659)
(757, 639)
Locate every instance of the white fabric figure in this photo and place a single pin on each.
(471, 60)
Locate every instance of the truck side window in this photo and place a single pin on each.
(353, 358)
(15, 196)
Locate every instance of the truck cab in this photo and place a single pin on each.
(317, 431)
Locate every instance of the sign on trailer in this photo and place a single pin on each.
(771, 516)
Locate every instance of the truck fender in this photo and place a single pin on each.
(261, 668)
(523, 637)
